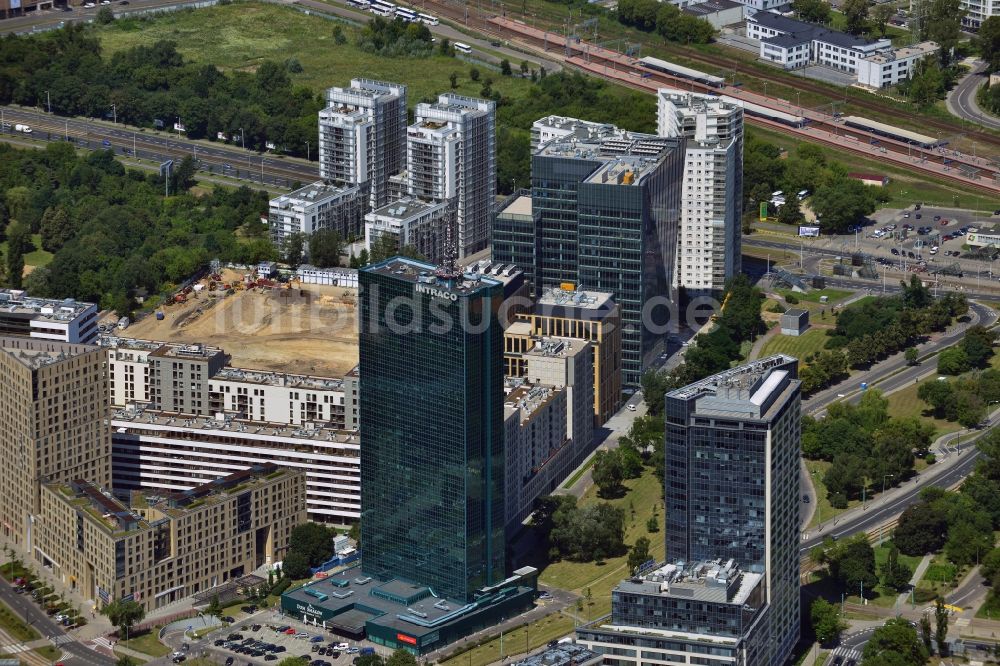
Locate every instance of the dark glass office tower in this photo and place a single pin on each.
(732, 481)
(431, 401)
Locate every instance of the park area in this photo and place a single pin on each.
(308, 329)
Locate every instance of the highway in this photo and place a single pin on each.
(80, 654)
(160, 146)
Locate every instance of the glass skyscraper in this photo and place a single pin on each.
(431, 404)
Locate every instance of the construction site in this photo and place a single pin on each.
(261, 323)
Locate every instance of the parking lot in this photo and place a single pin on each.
(267, 638)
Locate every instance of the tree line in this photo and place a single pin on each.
(114, 234)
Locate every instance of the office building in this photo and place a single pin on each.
(432, 454)
(893, 66)
(362, 137)
(158, 452)
(730, 586)
(709, 248)
(551, 128)
(157, 549)
(316, 207)
(53, 411)
(413, 223)
(586, 315)
(605, 214)
(62, 320)
(451, 156)
(538, 448)
(792, 43)
(12, 8)
(567, 363)
(718, 13)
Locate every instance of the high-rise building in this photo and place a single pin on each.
(730, 584)
(732, 480)
(451, 155)
(362, 137)
(432, 451)
(605, 208)
(708, 252)
(53, 424)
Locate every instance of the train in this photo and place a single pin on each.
(682, 72)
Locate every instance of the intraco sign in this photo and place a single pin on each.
(403, 638)
(436, 293)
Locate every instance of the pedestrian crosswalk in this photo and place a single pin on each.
(101, 642)
(61, 639)
(846, 655)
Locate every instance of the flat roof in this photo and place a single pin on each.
(736, 391)
(557, 347)
(796, 312)
(709, 581)
(528, 399)
(311, 194)
(17, 301)
(858, 121)
(35, 353)
(278, 379)
(712, 6)
(578, 298)
(194, 350)
(519, 206)
(407, 208)
(435, 277)
(913, 51)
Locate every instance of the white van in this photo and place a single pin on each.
(23, 128)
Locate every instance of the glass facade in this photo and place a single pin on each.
(732, 482)
(432, 454)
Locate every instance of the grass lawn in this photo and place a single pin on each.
(242, 35)
(824, 511)
(536, 634)
(833, 295)
(798, 346)
(147, 643)
(939, 577)
(136, 660)
(905, 403)
(15, 626)
(580, 472)
(49, 652)
(645, 496)
(36, 258)
(886, 597)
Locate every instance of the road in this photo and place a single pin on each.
(79, 654)
(961, 100)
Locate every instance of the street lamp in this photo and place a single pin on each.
(307, 151)
(884, 478)
(48, 101)
(114, 111)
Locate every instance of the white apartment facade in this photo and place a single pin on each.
(888, 69)
(451, 154)
(567, 363)
(709, 240)
(413, 222)
(154, 451)
(362, 135)
(314, 207)
(786, 42)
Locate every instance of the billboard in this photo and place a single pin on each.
(763, 211)
(403, 638)
(811, 231)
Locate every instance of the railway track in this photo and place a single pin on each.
(463, 13)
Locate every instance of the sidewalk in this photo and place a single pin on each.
(918, 573)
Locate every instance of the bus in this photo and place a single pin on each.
(405, 14)
(360, 4)
(381, 8)
(463, 48)
(427, 19)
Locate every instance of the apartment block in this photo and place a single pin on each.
(893, 66)
(179, 377)
(537, 445)
(362, 137)
(62, 320)
(53, 410)
(316, 207)
(412, 222)
(567, 363)
(606, 209)
(160, 548)
(792, 43)
(710, 241)
(161, 452)
(451, 156)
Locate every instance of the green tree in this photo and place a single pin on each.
(896, 637)
(105, 16)
(639, 554)
(941, 627)
(182, 176)
(401, 657)
(926, 84)
(124, 614)
(856, 14)
(939, 21)
(842, 202)
(453, 80)
(505, 67)
(313, 540)
(444, 47)
(608, 472)
(911, 354)
(953, 361)
(325, 248)
(922, 529)
(473, 74)
(988, 39)
(925, 633)
(652, 525)
(880, 15)
(791, 212)
(214, 607)
(852, 564)
(295, 565)
(826, 621)
(18, 242)
(294, 246)
(813, 11)
(895, 574)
